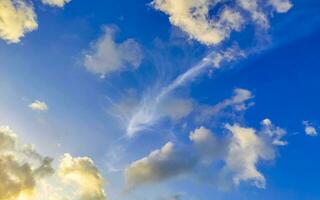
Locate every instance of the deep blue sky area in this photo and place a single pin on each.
(160, 100)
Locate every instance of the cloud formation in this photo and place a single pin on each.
(240, 151)
(106, 56)
(82, 172)
(19, 173)
(159, 165)
(309, 129)
(57, 3)
(16, 19)
(194, 18)
(240, 101)
(39, 106)
(245, 150)
(146, 115)
(26, 174)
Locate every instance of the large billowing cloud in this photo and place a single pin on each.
(241, 150)
(26, 174)
(20, 169)
(57, 3)
(16, 18)
(83, 173)
(107, 56)
(193, 16)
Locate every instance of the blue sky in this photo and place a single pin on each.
(159, 100)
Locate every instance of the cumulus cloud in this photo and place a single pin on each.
(159, 165)
(19, 174)
(245, 150)
(106, 56)
(26, 174)
(309, 129)
(16, 19)
(82, 172)
(193, 16)
(238, 153)
(39, 106)
(57, 3)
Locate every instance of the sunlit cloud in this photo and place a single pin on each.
(16, 19)
(27, 175)
(193, 16)
(38, 106)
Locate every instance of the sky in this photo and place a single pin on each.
(159, 99)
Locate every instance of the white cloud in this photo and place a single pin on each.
(16, 18)
(309, 129)
(82, 172)
(192, 16)
(274, 132)
(57, 3)
(39, 106)
(240, 101)
(146, 114)
(246, 149)
(106, 56)
(281, 6)
(159, 165)
(240, 151)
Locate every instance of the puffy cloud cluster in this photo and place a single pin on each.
(82, 172)
(19, 173)
(26, 174)
(240, 151)
(39, 106)
(193, 16)
(16, 18)
(106, 56)
(57, 3)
